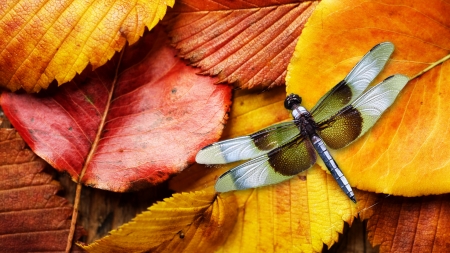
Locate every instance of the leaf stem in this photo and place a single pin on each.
(431, 66)
(74, 217)
(89, 157)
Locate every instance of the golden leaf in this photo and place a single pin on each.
(183, 223)
(47, 40)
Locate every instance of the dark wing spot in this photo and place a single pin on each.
(339, 96)
(343, 128)
(293, 158)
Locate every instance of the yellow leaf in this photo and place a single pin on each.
(297, 215)
(406, 152)
(47, 40)
(198, 221)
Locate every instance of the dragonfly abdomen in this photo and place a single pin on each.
(332, 166)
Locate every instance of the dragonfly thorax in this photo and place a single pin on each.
(304, 121)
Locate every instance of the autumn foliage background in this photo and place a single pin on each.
(128, 92)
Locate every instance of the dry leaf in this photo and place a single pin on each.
(32, 217)
(400, 224)
(187, 222)
(409, 143)
(47, 40)
(248, 43)
(127, 129)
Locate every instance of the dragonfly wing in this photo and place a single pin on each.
(248, 147)
(355, 119)
(279, 165)
(354, 83)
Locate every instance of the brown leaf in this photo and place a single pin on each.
(400, 224)
(245, 43)
(32, 217)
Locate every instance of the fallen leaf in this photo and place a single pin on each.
(186, 222)
(298, 215)
(409, 143)
(400, 224)
(301, 214)
(248, 43)
(32, 217)
(125, 125)
(47, 40)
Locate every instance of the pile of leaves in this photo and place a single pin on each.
(120, 96)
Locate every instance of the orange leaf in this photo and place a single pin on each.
(405, 153)
(47, 40)
(400, 224)
(187, 222)
(248, 43)
(32, 217)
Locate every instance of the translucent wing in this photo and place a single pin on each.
(277, 166)
(247, 147)
(355, 119)
(354, 83)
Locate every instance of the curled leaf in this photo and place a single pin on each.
(301, 214)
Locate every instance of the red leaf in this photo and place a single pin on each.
(133, 122)
(32, 217)
(248, 43)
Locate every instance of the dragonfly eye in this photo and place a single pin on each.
(291, 100)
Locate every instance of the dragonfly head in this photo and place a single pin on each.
(292, 101)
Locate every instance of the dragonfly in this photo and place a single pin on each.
(281, 151)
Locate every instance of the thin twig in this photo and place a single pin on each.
(431, 66)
